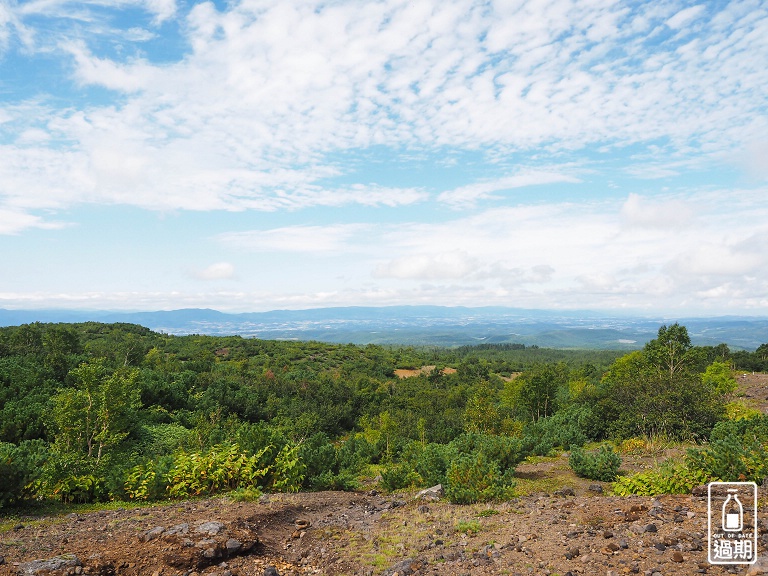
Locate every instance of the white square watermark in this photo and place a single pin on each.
(732, 519)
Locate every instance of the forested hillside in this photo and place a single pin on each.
(115, 411)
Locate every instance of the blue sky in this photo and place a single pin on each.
(254, 155)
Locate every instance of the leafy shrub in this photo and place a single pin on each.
(399, 476)
(740, 410)
(19, 468)
(731, 461)
(738, 451)
(669, 479)
(633, 446)
(747, 430)
(505, 451)
(220, 469)
(74, 478)
(329, 467)
(288, 470)
(564, 429)
(79, 489)
(476, 478)
(343, 480)
(148, 481)
(162, 439)
(433, 462)
(602, 465)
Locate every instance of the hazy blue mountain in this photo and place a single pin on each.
(425, 325)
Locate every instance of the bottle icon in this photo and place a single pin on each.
(733, 512)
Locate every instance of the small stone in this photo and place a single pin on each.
(205, 543)
(434, 493)
(596, 488)
(210, 528)
(677, 556)
(699, 491)
(607, 534)
(233, 546)
(271, 571)
(651, 528)
(660, 546)
(572, 553)
(759, 567)
(57, 563)
(178, 529)
(152, 534)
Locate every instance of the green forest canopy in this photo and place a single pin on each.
(96, 411)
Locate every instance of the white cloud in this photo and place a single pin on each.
(270, 91)
(438, 266)
(217, 271)
(467, 196)
(756, 162)
(284, 106)
(309, 239)
(13, 221)
(647, 212)
(685, 16)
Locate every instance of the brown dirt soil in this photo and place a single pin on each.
(367, 533)
(408, 373)
(754, 387)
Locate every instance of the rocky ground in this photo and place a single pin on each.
(369, 533)
(560, 526)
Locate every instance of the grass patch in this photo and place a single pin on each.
(469, 527)
(541, 459)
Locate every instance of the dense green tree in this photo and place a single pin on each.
(539, 392)
(670, 351)
(639, 396)
(719, 376)
(96, 413)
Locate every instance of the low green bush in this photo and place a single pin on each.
(737, 451)
(399, 476)
(506, 451)
(669, 479)
(433, 462)
(476, 478)
(564, 429)
(19, 469)
(602, 465)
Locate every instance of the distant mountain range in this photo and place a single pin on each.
(425, 325)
